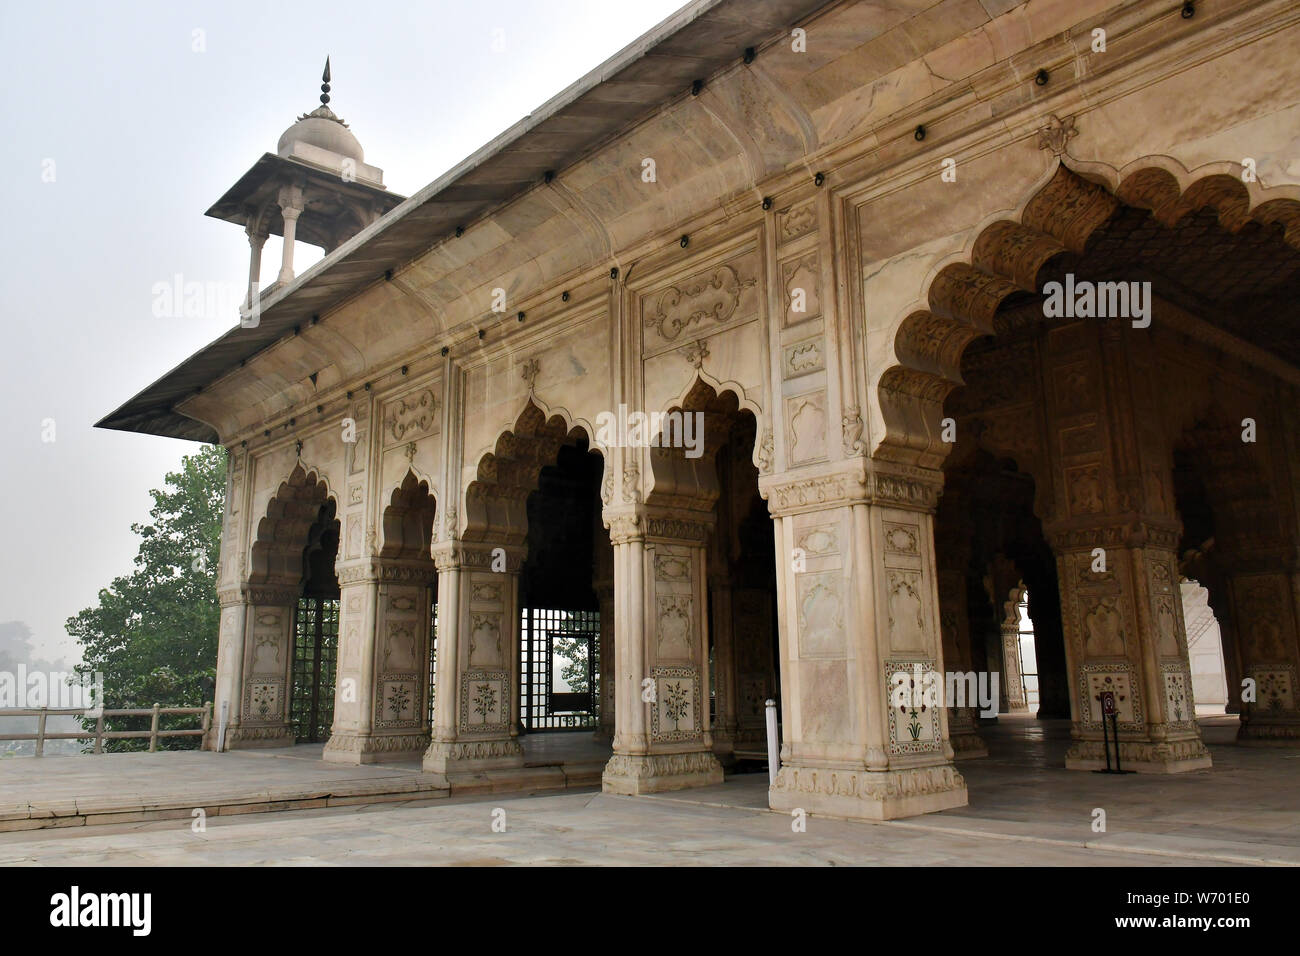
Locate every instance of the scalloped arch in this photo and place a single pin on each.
(1060, 216)
(282, 532)
(408, 517)
(679, 480)
(495, 501)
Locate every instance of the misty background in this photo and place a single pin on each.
(142, 115)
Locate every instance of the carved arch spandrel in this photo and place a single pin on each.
(963, 297)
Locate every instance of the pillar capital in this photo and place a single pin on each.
(290, 200)
(857, 481)
(658, 523)
(386, 570)
(479, 556)
(270, 592)
(1113, 531)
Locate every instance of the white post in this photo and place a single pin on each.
(290, 231)
(773, 744)
(291, 206)
(255, 241)
(221, 725)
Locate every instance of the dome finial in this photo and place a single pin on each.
(325, 84)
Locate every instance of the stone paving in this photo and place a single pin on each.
(1024, 809)
(80, 790)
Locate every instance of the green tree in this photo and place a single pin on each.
(153, 634)
(574, 672)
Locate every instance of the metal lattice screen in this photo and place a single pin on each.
(315, 657)
(559, 679)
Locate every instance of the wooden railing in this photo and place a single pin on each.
(99, 734)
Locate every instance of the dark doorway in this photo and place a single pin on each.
(559, 612)
(316, 633)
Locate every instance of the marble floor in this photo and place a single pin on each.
(89, 789)
(1024, 809)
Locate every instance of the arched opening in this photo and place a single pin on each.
(990, 546)
(1123, 348)
(1205, 648)
(560, 619)
(716, 472)
(536, 611)
(289, 673)
(1025, 644)
(316, 633)
(408, 662)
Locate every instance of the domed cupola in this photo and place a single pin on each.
(321, 131)
(316, 187)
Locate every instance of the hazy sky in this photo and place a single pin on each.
(142, 123)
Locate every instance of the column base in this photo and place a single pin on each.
(967, 745)
(473, 756)
(632, 774)
(966, 742)
(257, 738)
(373, 748)
(867, 794)
(1142, 756)
(724, 746)
(1269, 731)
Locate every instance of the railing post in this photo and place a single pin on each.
(40, 733)
(153, 731)
(99, 733)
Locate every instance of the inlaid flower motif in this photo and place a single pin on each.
(675, 702)
(485, 700)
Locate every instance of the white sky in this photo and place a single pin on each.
(145, 134)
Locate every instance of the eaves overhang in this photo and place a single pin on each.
(696, 42)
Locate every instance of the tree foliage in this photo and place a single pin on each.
(153, 634)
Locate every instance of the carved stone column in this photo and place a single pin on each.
(1012, 672)
(255, 664)
(605, 664)
(290, 199)
(256, 240)
(379, 694)
(603, 584)
(475, 706)
(1115, 534)
(661, 739)
(1264, 605)
(229, 690)
(859, 638)
(1255, 491)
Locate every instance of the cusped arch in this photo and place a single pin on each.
(407, 521)
(282, 533)
(685, 474)
(496, 499)
(719, 387)
(1061, 216)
